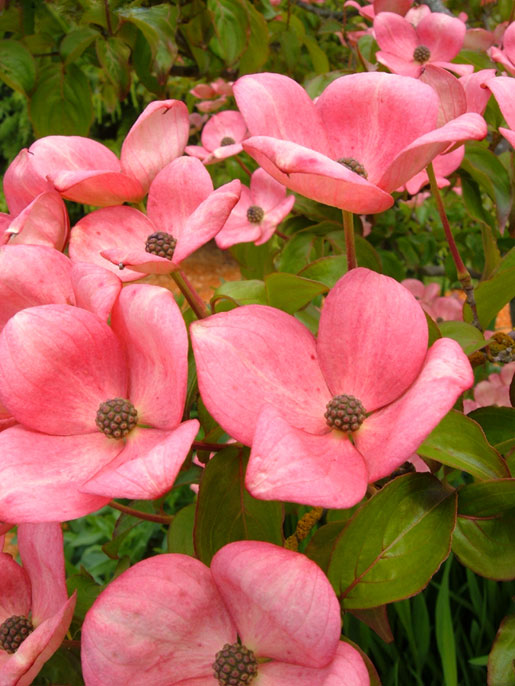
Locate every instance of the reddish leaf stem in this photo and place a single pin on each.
(195, 301)
(160, 519)
(350, 246)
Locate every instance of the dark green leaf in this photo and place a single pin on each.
(75, 42)
(321, 544)
(87, 592)
(231, 23)
(231, 294)
(113, 55)
(326, 270)
(501, 668)
(498, 423)
(17, 66)
(257, 50)
(487, 498)
(289, 292)
(180, 532)
(470, 338)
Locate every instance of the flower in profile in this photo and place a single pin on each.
(221, 137)
(440, 308)
(213, 95)
(258, 212)
(365, 136)
(506, 56)
(86, 171)
(326, 417)
(406, 49)
(271, 610)
(35, 611)
(503, 88)
(492, 391)
(103, 404)
(183, 213)
(374, 8)
(443, 166)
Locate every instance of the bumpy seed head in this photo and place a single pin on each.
(255, 214)
(161, 244)
(13, 632)
(421, 54)
(235, 665)
(345, 412)
(116, 417)
(354, 166)
(227, 140)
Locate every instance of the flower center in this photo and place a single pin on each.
(235, 665)
(161, 244)
(255, 214)
(421, 54)
(227, 140)
(116, 417)
(13, 632)
(345, 412)
(353, 165)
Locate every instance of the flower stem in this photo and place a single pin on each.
(160, 519)
(463, 273)
(243, 165)
(350, 246)
(195, 301)
(211, 447)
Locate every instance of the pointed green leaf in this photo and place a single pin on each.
(180, 531)
(289, 292)
(17, 66)
(470, 338)
(113, 55)
(74, 43)
(498, 424)
(487, 498)
(501, 661)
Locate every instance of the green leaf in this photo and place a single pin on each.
(227, 512)
(87, 592)
(74, 43)
(487, 499)
(296, 253)
(501, 667)
(17, 66)
(231, 294)
(470, 338)
(492, 295)
(61, 103)
(180, 532)
(321, 544)
(257, 51)
(317, 55)
(231, 23)
(486, 545)
(395, 543)
(289, 292)
(471, 194)
(444, 630)
(459, 442)
(326, 270)
(497, 423)
(113, 55)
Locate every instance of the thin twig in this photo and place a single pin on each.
(160, 519)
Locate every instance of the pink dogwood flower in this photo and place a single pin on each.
(171, 621)
(372, 10)
(405, 49)
(85, 171)
(439, 308)
(443, 166)
(297, 401)
(503, 88)
(103, 404)
(44, 221)
(506, 56)
(35, 611)
(221, 137)
(184, 212)
(365, 136)
(492, 391)
(259, 211)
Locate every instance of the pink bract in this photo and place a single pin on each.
(85, 171)
(493, 391)
(373, 9)
(181, 203)
(385, 123)
(35, 590)
(439, 308)
(372, 344)
(221, 137)
(170, 615)
(506, 56)
(406, 49)
(73, 362)
(503, 88)
(44, 221)
(270, 205)
(443, 166)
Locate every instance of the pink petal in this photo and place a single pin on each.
(68, 462)
(266, 191)
(289, 464)
(347, 669)
(281, 602)
(198, 151)
(123, 228)
(415, 287)
(148, 466)
(398, 65)
(207, 220)
(504, 93)
(16, 592)
(274, 218)
(390, 436)
(315, 176)
(53, 154)
(158, 136)
(41, 552)
(395, 35)
(225, 151)
(443, 35)
(460, 69)
(57, 364)
(255, 355)
(508, 40)
(24, 665)
(137, 260)
(226, 124)
(397, 6)
(148, 321)
(96, 288)
(22, 183)
(237, 228)
(102, 188)
(453, 100)
(32, 275)
(372, 338)
(365, 116)
(411, 160)
(476, 91)
(161, 622)
(275, 105)
(500, 56)
(43, 222)
(509, 135)
(176, 192)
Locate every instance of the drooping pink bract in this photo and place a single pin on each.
(503, 88)
(506, 56)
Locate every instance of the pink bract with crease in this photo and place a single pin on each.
(267, 381)
(383, 125)
(164, 620)
(37, 591)
(73, 363)
(221, 137)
